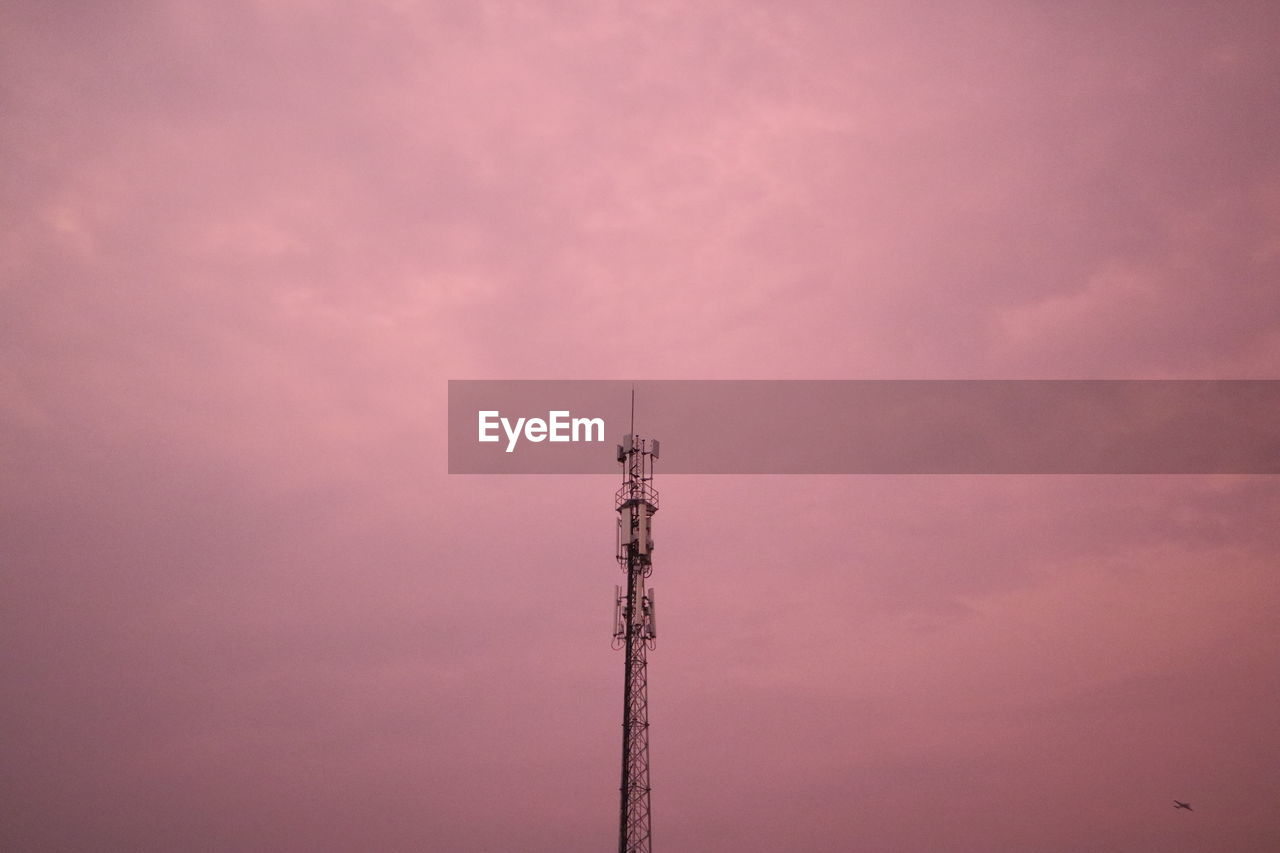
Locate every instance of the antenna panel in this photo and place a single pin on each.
(619, 629)
(640, 530)
(653, 617)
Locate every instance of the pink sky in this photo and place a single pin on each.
(245, 245)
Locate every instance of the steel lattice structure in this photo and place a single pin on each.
(633, 630)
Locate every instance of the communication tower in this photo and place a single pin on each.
(634, 630)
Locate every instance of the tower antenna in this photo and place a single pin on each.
(633, 630)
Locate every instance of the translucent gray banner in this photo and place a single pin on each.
(869, 426)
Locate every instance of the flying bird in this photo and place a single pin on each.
(1179, 804)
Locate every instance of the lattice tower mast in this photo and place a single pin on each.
(634, 630)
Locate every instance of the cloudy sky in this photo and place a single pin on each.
(246, 244)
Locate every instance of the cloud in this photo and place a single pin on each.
(244, 247)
